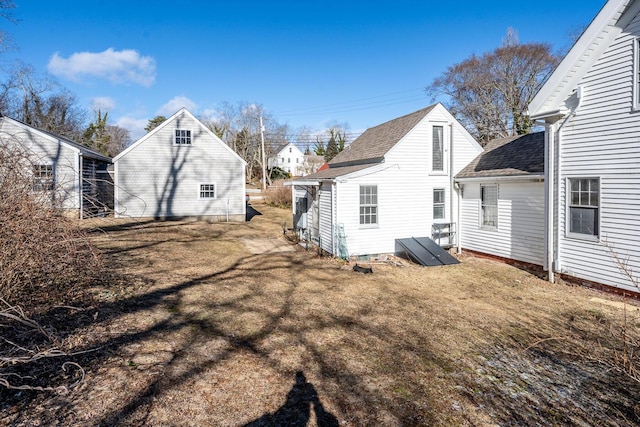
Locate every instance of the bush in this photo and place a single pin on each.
(44, 256)
(279, 173)
(278, 197)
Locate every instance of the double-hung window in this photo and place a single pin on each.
(42, 178)
(183, 137)
(368, 204)
(438, 203)
(584, 206)
(437, 151)
(207, 191)
(489, 206)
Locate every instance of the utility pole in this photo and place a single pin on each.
(264, 161)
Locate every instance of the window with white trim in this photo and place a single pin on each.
(368, 204)
(584, 206)
(437, 157)
(183, 137)
(207, 191)
(489, 206)
(438, 203)
(42, 178)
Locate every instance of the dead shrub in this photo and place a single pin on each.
(44, 256)
(279, 197)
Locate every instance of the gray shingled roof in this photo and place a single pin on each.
(519, 155)
(335, 172)
(375, 142)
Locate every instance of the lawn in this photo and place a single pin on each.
(231, 324)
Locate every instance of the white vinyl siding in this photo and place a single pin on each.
(601, 140)
(520, 212)
(156, 178)
(325, 209)
(636, 73)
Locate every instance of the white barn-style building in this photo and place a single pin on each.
(180, 169)
(394, 181)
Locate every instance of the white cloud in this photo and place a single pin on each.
(176, 103)
(211, 114)
(103, 103)
(118, 67)
(134, 126)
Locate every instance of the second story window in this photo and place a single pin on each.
(438, 149)
(183, 137)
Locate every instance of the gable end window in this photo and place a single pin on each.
(489, 206)
(207, 191)
(438, 203)
(437, 155)
(584, 206)
(42, 178)
(183, 137)
(368, 204)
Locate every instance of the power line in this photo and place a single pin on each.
(358, 104)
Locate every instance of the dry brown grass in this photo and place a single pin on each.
(216, 325)
(278, 196)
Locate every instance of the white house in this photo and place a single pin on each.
(590, 107)
(289, 158)
(394, 181)
(76, 175)
(180, 169)
(502, 209)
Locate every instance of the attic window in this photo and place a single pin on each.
(183, 137)
(438, 149)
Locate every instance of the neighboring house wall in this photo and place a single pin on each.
(290, 159)
(158, 178)
(519, 234)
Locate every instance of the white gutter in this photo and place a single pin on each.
(529, 177)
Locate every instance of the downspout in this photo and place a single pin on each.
(459, 219)
(450, 214)
(227, 210)
(548, 187)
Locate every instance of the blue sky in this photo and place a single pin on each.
(308, 63)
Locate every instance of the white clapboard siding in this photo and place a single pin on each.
(157, 178)
(603, 140)
(405, 187)
(43, 149)
(520, 231)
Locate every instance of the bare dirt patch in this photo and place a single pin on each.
(230, 324)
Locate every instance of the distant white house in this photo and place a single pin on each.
(288, 158)
(590, 107)
(180, 169)
(394, 181)
(502, 203)
(76, 175)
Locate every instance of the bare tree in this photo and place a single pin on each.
(40, 101)
(489, 94)
(238, 125)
